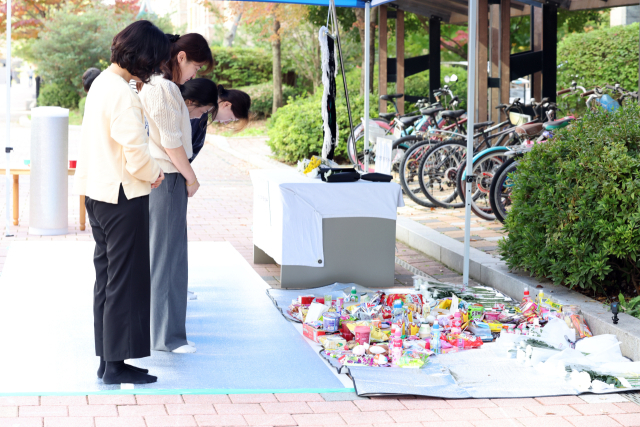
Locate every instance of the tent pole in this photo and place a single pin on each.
(471, 109)
(367, 42)
(334, 18)
(8, 148)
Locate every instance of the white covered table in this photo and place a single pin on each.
(321, 233)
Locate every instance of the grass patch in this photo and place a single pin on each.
(75, 118)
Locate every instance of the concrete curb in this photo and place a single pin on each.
(494, 272)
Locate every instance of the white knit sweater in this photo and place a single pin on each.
(168, 116)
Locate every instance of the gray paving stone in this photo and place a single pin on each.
(336, 397)
(445, 229)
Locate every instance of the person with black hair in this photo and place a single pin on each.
(201, 97)
(88, 77)
(233, 105)
(116, 173)
(205, 105)
(171, 146)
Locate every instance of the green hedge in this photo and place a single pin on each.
(60, 95)
(295, 131)
(262, 97)
(576, 205)
(236, 67)
(596, 58)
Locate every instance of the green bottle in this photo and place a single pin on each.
(354, 294)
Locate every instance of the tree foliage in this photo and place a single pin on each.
(241, 66)
(70, 43)
(576, 205)
(29, 16)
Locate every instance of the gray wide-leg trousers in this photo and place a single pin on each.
(169, 263)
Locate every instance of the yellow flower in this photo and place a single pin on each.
(314, 163)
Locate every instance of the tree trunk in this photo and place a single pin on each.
(277, 66)
(231, 31)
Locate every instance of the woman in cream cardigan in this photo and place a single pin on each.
(170, 135)
(116, 173)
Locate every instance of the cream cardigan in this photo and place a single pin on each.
(114, 148)
(169, 125)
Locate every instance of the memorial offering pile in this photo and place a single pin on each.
(406, 329)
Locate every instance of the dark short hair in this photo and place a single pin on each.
(197, 50)
(88, 77)
(202, 92)
(141, 49)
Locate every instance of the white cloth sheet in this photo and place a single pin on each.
(288, 209)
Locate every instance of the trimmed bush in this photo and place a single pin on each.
(236, 67)
(576, 206)
(262, 97)
(58, 95)
(295, 131)
(596, 58)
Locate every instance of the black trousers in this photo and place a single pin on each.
(121, 304)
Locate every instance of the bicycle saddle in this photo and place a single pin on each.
(557, 124)
(391, 97)
(453, 114)
(481, 125)
(388, 116)
(530, 129)
(408, 121)
(431, 111)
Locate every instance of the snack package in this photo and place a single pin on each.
(415, 299)
(332, 342)
(470, 341)
(580, 326)
(351, 359)
(413, 359)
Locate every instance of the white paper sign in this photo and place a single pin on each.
(383, 155)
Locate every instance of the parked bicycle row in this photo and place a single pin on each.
(429, 148)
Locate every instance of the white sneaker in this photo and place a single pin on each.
(191, 343)
(184, 349)
(191, 296)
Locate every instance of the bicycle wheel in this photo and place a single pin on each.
(355, 149)
(484, 169)
(501, 187)
(409, 172)
(437, 172)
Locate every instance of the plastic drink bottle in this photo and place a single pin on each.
(354, 294)
(460, 344)
(435, 341)
(456, 325)
(396, 352)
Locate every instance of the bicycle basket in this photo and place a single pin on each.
(518, 119)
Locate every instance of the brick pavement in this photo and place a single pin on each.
(221, 211)
(307, 409)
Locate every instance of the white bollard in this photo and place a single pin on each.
(49, 191)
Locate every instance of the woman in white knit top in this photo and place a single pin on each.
(171, 146)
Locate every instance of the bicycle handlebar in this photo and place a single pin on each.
(590, 92)
(563, 91)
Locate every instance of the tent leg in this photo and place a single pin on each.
(8, 184)
(471, 108)
(367, 43)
